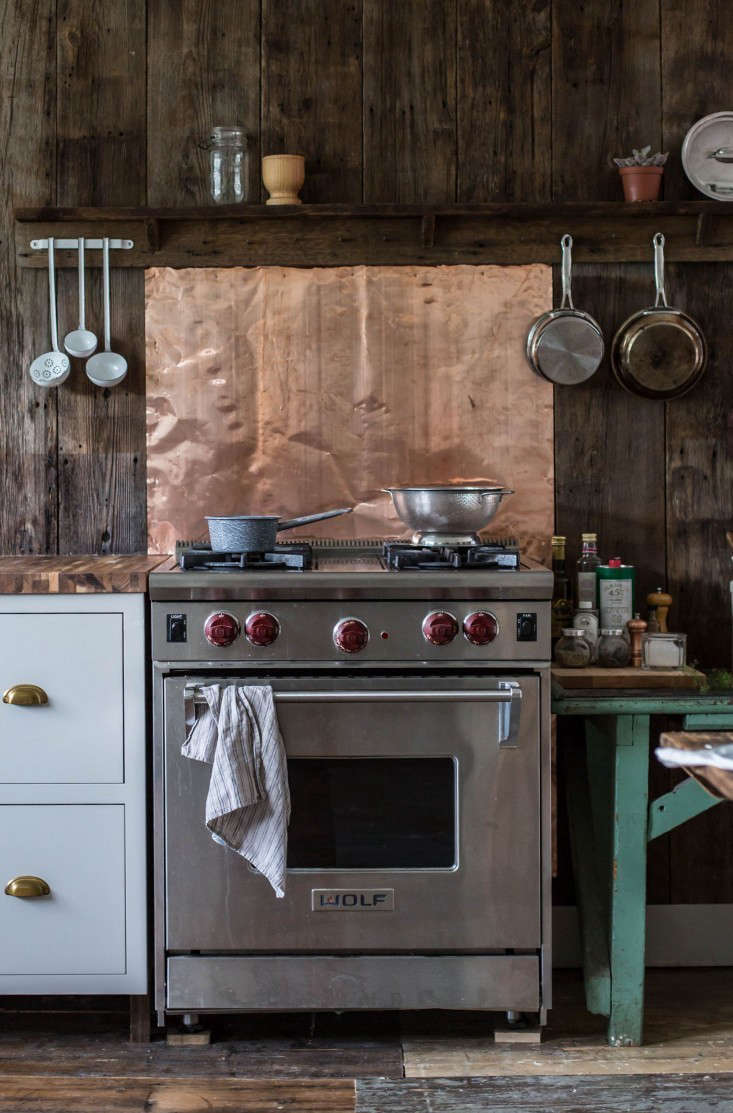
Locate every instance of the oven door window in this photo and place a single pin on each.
(372, 813)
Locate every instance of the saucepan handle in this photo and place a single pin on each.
(291, 523)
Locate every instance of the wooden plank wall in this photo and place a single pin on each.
(441, 100)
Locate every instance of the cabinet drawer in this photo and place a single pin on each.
(77, 737)
(79, 850)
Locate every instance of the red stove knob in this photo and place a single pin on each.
(480, 628)
(350, 635)
(261, 628)
(439, 628)
(221, 628)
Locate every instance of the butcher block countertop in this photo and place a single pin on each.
(70, 575)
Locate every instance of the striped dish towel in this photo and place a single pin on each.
(248, 802)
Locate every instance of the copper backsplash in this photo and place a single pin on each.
(284, 390)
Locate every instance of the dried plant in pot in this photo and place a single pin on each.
(641, 174)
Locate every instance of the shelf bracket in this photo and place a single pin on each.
(427, 230)
(702, 229)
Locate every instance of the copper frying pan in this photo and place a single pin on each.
(659, 352)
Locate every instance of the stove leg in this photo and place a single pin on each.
(193, 1034)
(519, 1028)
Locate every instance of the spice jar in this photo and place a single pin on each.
(614, 651)
(572, 650)
(228, 160)
(586, 619)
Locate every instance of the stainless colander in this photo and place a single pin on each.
(447, 515)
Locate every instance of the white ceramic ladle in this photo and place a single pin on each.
(81, 342)
(106, 368)
(52, 368)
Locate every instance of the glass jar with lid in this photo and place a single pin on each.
(614, 652)
(228, 165)
(572, 651)
(586, 619)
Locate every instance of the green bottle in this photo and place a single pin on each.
(615, 593)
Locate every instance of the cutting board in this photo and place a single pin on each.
(595, 677)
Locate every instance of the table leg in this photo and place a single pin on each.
(628, 879)
(590, 885)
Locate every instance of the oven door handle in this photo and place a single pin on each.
(508, 694)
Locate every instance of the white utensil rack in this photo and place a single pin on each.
(89, 245)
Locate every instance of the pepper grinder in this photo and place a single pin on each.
(636, 626)
(661, 602)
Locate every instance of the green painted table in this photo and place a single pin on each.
(611, 822)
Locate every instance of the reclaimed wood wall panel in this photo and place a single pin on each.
(101, 139)
(410, 101)
(312, 92)
(606, 92)
(28, 505)
(203, 71)
(697, 40)
(698, 443)
(504, 116)
(609, 445)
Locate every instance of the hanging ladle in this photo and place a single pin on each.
(81, 342)
(106, 368)
(52, 368)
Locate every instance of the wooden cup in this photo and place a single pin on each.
(283, 176)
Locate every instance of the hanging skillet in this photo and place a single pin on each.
(659, 352)
(565, 345)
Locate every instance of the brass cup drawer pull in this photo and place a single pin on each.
(25, 695)
(27, 886)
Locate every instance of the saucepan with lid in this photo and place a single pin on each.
(257, 533)
(565, 345)
(450, 514)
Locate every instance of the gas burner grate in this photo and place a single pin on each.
(283, 558)
(491, 555)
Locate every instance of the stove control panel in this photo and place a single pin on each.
(369, 630)
(351, 635)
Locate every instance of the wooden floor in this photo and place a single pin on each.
(80, 1060)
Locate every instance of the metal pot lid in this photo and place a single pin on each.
(707, 155)
(566, 348)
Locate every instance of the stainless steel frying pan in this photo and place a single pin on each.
(565, 345)
(659, 352)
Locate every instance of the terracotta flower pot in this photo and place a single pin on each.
(641, 183)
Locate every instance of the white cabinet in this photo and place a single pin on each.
(76, 737)
(79, 926)
(72, 795)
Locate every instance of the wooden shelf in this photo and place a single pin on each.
(347, 235)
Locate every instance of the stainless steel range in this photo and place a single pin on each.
(412, 690)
